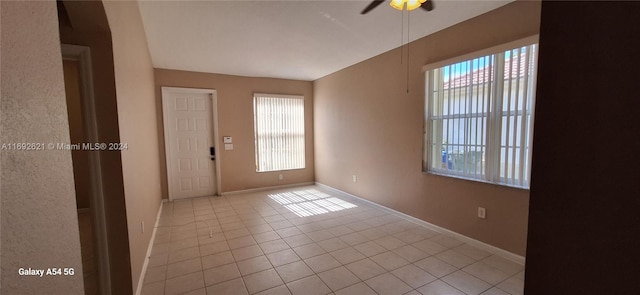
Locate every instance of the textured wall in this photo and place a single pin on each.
(235, 116)
(39, 220)
(367, 124)
(137, 120)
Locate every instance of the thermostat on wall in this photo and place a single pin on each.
(227, 139)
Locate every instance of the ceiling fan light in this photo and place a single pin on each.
(413, 4)
(397, 4)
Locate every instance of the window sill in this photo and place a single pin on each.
(475, 180)
(283, 170)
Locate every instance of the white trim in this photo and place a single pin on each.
(473, 242)
(488, 51)
(216, 142)
(501, 184)
(143, 272)
(82, 54)
(214, 109)
(266, 188)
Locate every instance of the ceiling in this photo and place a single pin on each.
(303, 40)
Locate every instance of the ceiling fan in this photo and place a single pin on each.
(400, 4)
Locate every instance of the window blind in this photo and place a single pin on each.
(279, 132)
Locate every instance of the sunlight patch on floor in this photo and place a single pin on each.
(310, 202)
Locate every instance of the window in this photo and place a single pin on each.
(279, 132)
(479, 116)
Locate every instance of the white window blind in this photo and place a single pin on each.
(479, 117)
(279, 132)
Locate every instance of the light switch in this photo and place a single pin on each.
(228, 146)
(227, 139)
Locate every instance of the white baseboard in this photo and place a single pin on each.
(143, 272)
(473, 242)
(267, 188)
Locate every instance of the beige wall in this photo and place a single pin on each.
(235, 111)
(39, 220)
(138, 129)
(368, 125)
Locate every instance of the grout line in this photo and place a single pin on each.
(371, 218)
(452, 234)
(235, 261)
(145, 264)
(276, 271)
(166, 270)
(204, 282)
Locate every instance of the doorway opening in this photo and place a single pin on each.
(86, 168)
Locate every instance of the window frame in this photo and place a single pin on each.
(256, 135)
(494, 115)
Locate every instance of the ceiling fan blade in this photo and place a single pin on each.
(371, 6)
(428, 6)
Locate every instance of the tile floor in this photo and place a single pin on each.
(308, 240)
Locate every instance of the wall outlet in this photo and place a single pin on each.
(142, 226)
(482, 212)
(280, 177)
(354, 177)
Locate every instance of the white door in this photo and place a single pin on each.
(190, 150)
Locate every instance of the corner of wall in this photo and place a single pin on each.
(137, 117)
